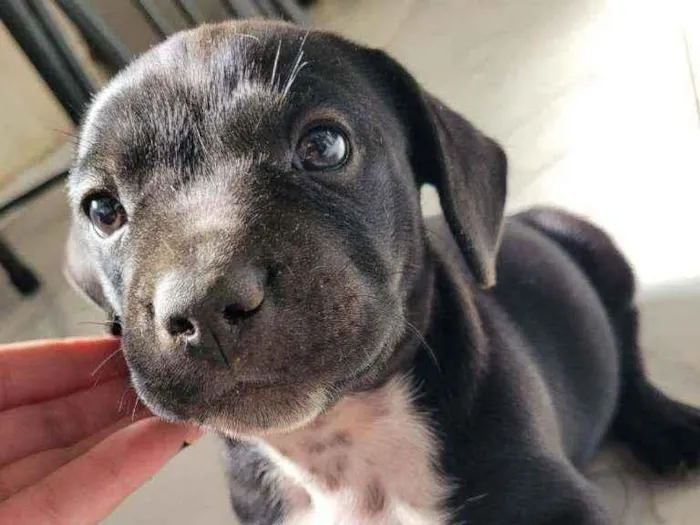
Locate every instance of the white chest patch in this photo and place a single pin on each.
(368, 461)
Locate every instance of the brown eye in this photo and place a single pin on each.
(322, 148)
(106, 214)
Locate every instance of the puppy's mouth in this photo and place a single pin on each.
(191, 399)
(247, 405)
(244, 401)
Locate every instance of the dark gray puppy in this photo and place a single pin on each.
(245, 201)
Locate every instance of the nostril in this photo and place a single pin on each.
(179, 325)
(234, 313)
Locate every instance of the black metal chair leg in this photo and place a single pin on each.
(20, 275)
(293, 12)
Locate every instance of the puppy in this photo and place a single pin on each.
(245, 201)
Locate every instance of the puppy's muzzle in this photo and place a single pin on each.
(203, 314)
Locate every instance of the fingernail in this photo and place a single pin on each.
(193, 434)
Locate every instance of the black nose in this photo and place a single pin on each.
(204, 313)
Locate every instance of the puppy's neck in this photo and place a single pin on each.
(370, 459)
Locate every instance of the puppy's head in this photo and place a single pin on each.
(245, 198)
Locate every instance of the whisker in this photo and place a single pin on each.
(133, 411)
(296, 67)
(96, 323)
(121, 399)
(423, 342)
(293, 77)
(245, 35)
(402, 319)
(106, 360)
(115, 326)
(65, 133)
(274, 66)
(99, 323)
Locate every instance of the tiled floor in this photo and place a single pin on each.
(596, 104)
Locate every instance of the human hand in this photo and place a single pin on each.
(70, 449)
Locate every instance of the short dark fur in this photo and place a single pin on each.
(526, 374)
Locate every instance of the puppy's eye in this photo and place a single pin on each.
(106, 214)
(322, 148)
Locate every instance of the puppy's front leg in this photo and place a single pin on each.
(534, 491)
(253, 496)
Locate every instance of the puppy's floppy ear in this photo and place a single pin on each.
(80, 271)
(467, 168)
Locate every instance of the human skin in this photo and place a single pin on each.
(73, 441)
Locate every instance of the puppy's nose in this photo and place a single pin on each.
(204, 313)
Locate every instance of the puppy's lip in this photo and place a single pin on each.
(261, 381)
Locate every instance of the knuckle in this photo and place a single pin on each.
(61, 423)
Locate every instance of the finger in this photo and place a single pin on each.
(28, 471)
(88, 488)
(39, 370)
(61, 422)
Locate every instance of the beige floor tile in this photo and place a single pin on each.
(510, 67)
(624, 148)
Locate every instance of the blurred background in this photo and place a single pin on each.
(596, 101)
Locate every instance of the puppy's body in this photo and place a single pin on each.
(509, 391)
(363, 366)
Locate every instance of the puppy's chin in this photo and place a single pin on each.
(246, 409)
(269, 419)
